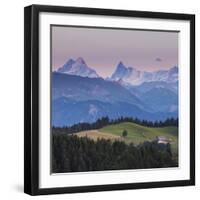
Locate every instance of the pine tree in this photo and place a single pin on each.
(124, 133)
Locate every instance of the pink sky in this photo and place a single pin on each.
(102, 49)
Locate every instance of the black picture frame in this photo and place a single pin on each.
(31, 98)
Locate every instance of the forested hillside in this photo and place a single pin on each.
(74, 154)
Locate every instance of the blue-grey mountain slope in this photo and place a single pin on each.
(81, 99)
(84, 88)
(68, 112)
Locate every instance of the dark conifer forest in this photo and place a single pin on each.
(71, 153)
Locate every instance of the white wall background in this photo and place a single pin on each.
(11, 99)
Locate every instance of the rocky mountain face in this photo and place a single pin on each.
(78, 67)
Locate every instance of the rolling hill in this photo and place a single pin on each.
(136, 134)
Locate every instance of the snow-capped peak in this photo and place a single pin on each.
(67, 66)
(80, 61)
(136, 77)
(121, 66)
(120, 72)
(78, 67)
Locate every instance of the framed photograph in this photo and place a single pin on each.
(109, 100)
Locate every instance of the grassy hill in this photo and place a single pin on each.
(96, 134)
(138, 134)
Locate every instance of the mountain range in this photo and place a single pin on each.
(133, 76)
(127, 75)
(79, 94)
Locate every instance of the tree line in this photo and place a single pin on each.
(105, 121)
(74, 154)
